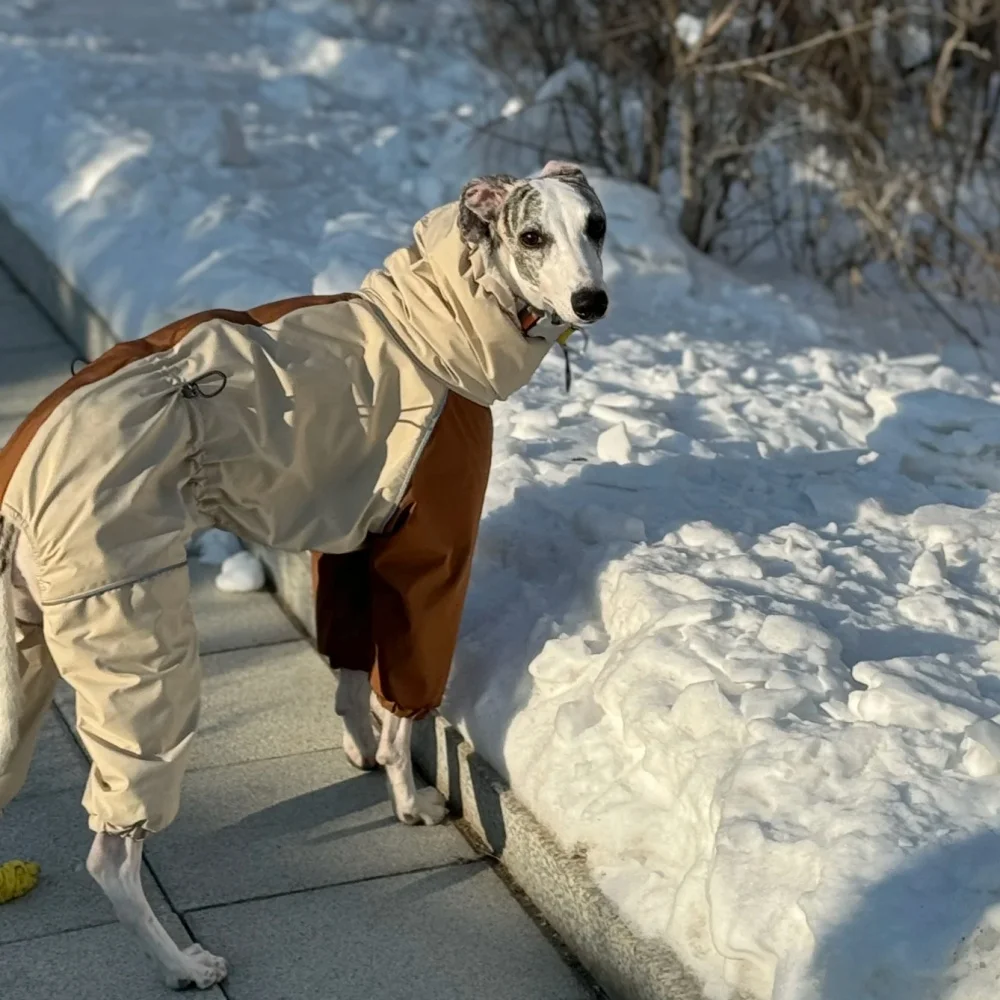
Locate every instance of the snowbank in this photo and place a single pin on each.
(733, 629)
(752, 670)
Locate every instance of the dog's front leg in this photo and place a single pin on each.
(412, 805)
(352, 705)
(116, 865)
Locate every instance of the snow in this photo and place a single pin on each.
(240, 573)
(614, 445)
(214, 546)
(689, 29)
(733, 626)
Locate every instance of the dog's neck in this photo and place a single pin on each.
(529, 317)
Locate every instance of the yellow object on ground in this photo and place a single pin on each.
(17, 878)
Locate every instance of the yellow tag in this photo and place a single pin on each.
(565, 335)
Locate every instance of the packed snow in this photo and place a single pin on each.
(214, 546)
(733, 627)
(240, 573)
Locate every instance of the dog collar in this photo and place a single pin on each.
(530, 318)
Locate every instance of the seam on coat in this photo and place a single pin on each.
(411, 467)
(106, 588)
(400, 342)
(397, 495)
(390, 330)
(194, 458)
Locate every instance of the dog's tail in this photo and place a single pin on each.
(10, 680)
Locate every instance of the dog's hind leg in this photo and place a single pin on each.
(352, 705)
(412, 805)
(131, 655)
(10, 674)
(116, 864)
(31, 675)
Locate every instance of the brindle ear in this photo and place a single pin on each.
(479, 206)
(560, 168)
(569, 173)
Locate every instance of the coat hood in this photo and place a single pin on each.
(453, 313)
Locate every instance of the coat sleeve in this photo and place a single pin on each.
(408, 585)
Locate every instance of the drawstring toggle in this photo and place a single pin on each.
(196, 386)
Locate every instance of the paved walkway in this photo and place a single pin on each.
(284, 859)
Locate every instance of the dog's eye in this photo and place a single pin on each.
(596, 228)
(531, 238)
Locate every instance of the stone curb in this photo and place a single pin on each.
(557, 883)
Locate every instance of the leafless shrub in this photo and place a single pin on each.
(843, 135)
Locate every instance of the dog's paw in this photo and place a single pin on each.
(427, 807)
(198, 968)
(360, 745)
(356, 757)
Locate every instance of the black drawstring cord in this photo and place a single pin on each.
(569, 370)
(188, 389)
(194, 388)
(566, 355)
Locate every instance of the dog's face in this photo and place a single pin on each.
(545, 235)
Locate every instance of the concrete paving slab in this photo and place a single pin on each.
(26, 377)
(58, 764)
(52, 830)
(22, 326)
(272, 701)
(234, 621)
(100, 963)
(451, 934)
(285, 825)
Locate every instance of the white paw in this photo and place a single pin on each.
(198, 968)
(358, 757)
(360, 743)
(427, 807)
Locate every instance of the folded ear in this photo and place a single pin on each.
(560, 168)
(480, 204)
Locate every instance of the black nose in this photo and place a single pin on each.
(589, 304)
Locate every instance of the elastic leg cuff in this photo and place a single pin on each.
(138, 831)
(416, 714)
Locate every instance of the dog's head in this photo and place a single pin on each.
(545, 235)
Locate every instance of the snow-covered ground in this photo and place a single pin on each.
(733, 629)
